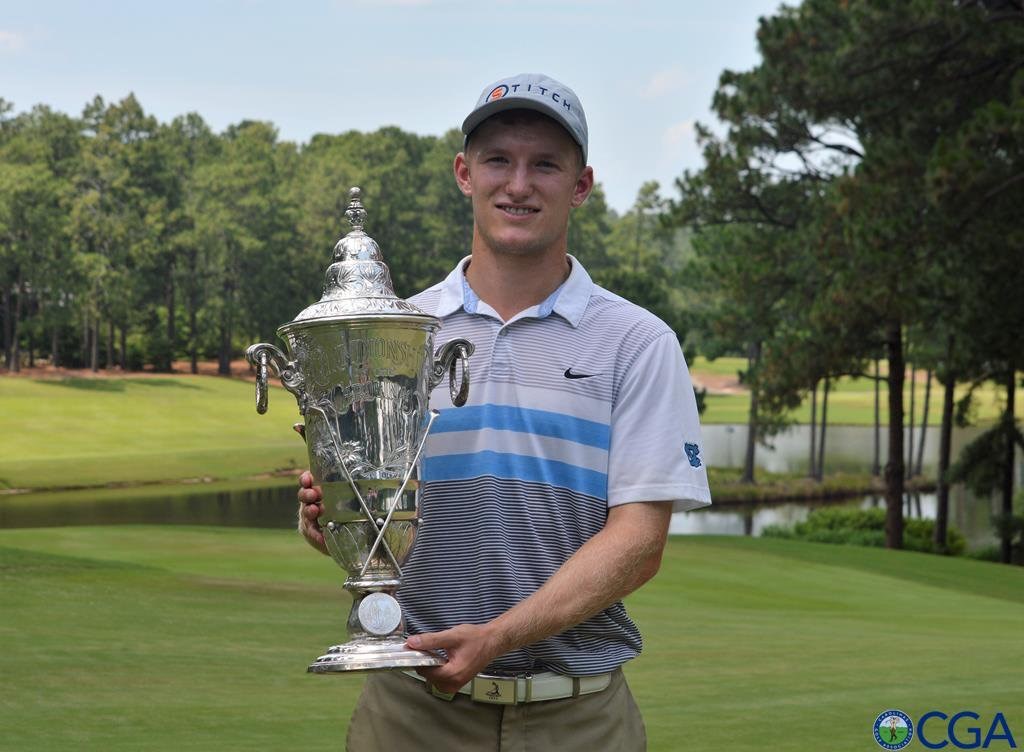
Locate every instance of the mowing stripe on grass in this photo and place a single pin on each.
(167, 638)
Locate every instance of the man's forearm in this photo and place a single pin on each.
(608, 567)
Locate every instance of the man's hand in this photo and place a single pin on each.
(611, 565)
(310, 509)
(470, 647)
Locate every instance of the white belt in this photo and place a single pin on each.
(513, 689)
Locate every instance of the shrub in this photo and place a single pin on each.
(865, 527)
(989, 553)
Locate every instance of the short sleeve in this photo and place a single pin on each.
(656, 452)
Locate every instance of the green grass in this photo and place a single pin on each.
(81, 432)
(165, 638)
(850, 402)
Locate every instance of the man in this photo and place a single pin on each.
(547, 498)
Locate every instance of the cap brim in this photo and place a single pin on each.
(480, 114)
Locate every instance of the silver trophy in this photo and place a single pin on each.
(361, 365)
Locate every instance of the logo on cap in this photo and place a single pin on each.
(497, 92)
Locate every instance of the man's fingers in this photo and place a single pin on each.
(430, 640)
(447, 678)
(308, 493)
(310, 497)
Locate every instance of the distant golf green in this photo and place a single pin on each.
(79, 432)
(58, 433)
(171, 638)
(850, 401)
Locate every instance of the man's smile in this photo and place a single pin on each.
(517, 211)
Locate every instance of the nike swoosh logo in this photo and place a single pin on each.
(570, 375)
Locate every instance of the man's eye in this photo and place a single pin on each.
(547, 165)
(497, 160)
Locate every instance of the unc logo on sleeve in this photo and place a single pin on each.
(893, 729)
(692, 453)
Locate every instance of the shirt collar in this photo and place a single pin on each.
(569, 301)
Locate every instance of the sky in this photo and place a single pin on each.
(644, 71)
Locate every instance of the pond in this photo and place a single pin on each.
(271, 503)
(968, 515)
(847, 448)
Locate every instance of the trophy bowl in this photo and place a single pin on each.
(361, 364)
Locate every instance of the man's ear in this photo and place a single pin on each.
(584, 185)
(462, 176)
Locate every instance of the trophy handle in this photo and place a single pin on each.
(445, 360)
(262, 355)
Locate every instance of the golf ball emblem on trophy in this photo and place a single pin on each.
(361, 364)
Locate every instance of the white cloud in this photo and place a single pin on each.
(679, 135)
(664, 82)
(11, 41)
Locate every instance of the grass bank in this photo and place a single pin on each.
(726, 487)
(70, 432)
(86, 432)
(165, 638)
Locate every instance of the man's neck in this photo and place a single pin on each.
(511, 284)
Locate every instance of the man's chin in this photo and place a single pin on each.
(511, 246)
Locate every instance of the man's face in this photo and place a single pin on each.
(522, 172)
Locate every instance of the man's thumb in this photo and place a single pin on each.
(428, 641)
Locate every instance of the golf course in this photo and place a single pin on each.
(171, 637)
(175, 638)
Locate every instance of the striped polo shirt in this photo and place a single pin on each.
(577, 404)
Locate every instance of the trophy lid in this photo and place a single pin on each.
(358, 282)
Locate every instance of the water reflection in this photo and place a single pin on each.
(849, 449)
(269, 505)
(971, 517)
(273, 505)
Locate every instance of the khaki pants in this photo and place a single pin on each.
(395, 713)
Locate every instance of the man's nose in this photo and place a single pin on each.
(519, 184)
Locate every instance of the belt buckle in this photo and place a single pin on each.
(491, 688)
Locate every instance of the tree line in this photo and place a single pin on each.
(859, 212)
(128, 242)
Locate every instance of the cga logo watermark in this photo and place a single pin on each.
(894, 729)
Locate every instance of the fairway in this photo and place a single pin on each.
(171, 638)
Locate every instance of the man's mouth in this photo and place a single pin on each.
(517, 211)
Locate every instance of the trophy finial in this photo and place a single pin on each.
(356, 213)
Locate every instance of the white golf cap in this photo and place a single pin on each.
(532, 91)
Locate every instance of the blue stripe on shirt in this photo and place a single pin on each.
(521, 467)
(537, 422)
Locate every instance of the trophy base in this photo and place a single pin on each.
(372, 655)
